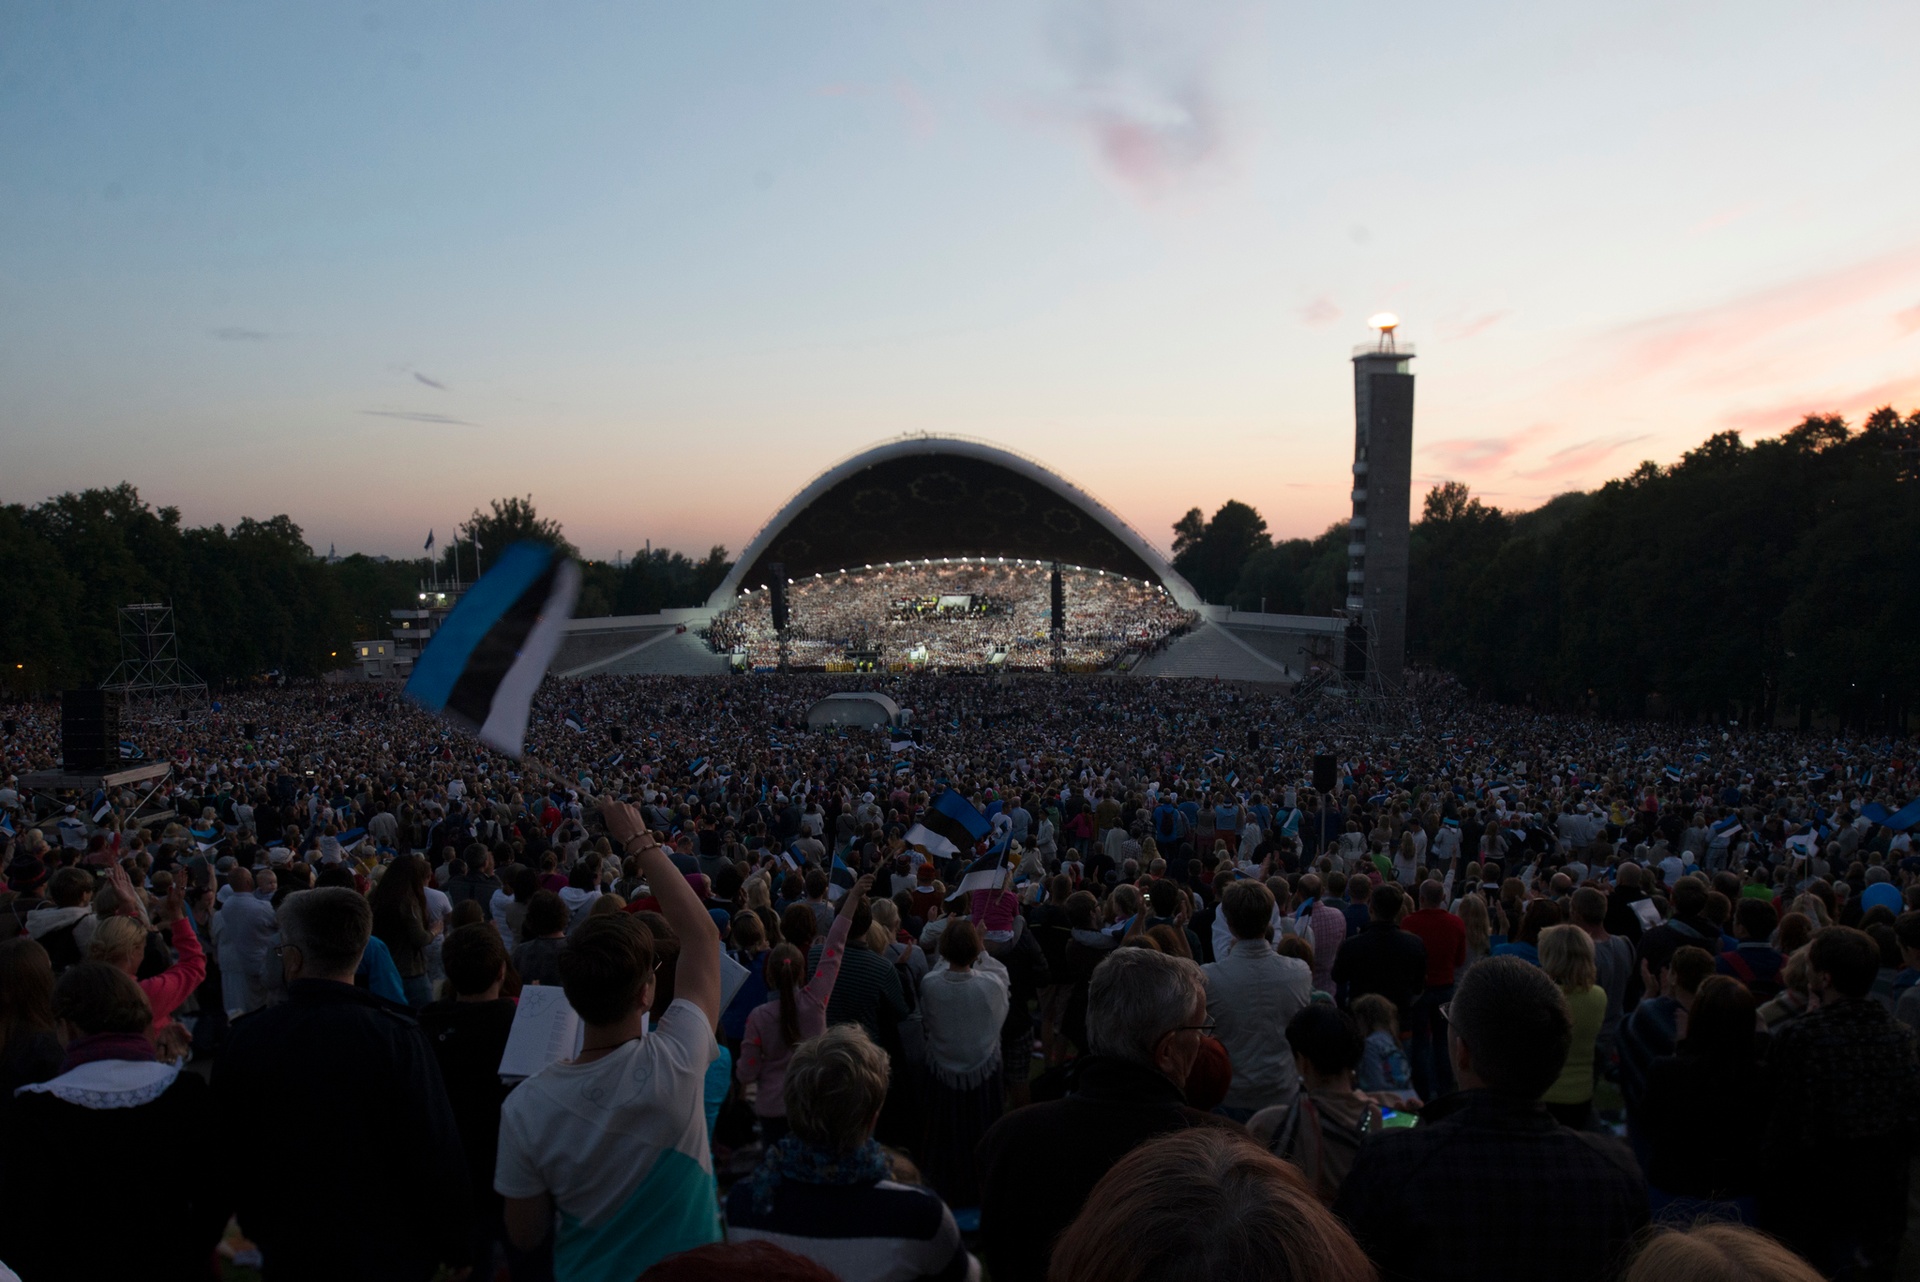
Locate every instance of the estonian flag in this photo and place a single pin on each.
(483, 665)
(1673, 773)
(699, 767)
(953, 817)
(1905, 817)
(574, 723)
(840, 880)
(986, 872)
(931, 842)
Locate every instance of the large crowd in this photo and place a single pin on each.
(953, 616)
(1518, 996)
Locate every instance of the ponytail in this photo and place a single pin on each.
(785, 969)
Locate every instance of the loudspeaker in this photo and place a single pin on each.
(9, 727)
(618, 734)
(248, 730)
(1326, 772)
(778, 597)
(89, 729)
(1059, 601)
(1253, 740)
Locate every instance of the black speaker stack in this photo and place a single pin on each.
(1326, 772)
(89, 729)
(778, 594)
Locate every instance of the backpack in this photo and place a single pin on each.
(1324, 1148)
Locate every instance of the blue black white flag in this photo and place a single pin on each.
(953, 818)
(483, 665)
(574, 723)
(987, 872)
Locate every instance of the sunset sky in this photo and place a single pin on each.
(659, 264)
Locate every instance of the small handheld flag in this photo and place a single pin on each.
(483, 665)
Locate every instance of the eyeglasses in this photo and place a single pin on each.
(1205, 1030)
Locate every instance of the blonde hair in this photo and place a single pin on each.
(885, 913)
(1375, 1012)
(1717, 1253)
(118, 941)
(1566, 954)
(1473, 912)
(835, 1085)
(759, 895)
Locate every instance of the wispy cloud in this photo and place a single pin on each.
(237, 334)
(1907, 321)
(1772, 419)
(1148, 94)
(1575, 460)
(413, 417)
(1483, 453)
(1321, 312)
(1462, 328)
(429, 382)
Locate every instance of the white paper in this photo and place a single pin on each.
(545, 1031)
(732, 976)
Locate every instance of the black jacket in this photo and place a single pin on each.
(1487, 1189)
(1383, 959)
(366, 1177)
(1038, 1163)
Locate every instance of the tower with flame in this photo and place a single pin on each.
(1376, 634)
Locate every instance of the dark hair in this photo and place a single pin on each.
(1589, 906)
(1906, 928)
(605, 967)
(1514, 1022)
(1326, 1037)
(1889, 942)
(1756, 917)
(26, 990)
(399, 900)
(1720, 1024)
(473, 956)
(97, 997)
(1082, 910)
(1248, 907)
(798, 926)
(1689, 897)
(545, 916)
(1385, 901)
(960, 943)
(67, 885)
(816, 884)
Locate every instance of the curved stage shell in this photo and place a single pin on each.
(930, 496)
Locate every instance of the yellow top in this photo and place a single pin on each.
(1575, 1083)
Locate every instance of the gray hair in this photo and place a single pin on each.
(1138, 996)
(330, 926)
(835, 1085)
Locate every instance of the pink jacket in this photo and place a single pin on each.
(763, 1051)
(176, 983)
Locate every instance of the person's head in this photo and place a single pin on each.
(1796, 929)
(747, 933)
(93, 997)
(960, 943)
(1248, 907)
(1206, 1205)
(1432, 893)
(1385, 903)
(1566, 954)
(1376, 1014)
(1754, 920)
(1508, 1028)
(816, 884)
(1539, 915)
(119, 941)
(606, 969)
(323, 933)
(1716, 1253)
(1083, 911)
(756, 1260)
(475, 960)
(1689, 897)
(1588, 908)
(70, 887)
(1720, 1023)
(1297, 948)
(798, 926)
(835, 1085)
(1842, 962)
(26, 989)
(545, 917)
(1326, 1043)
(1689, 966)
(1147, 1008)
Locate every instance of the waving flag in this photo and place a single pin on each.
(953, 817)
(573, 722)
(428, 546)
(986, 872)
(483, 665)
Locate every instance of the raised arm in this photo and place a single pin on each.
(697, 974)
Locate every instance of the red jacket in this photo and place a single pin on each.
(1445, 936)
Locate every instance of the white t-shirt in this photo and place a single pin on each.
(621, 1144)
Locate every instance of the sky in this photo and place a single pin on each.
(658, 265)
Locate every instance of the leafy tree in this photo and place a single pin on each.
(1210, 556)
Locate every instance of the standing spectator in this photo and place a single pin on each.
(245, 930)
(1843, 1094)
(1384, 1072)
(371, 1102)
(543, 932)
(1712, 1252)
(775, 1029)
(469, 1034)
(30, 1049)
(1383, 958)
(1698, 1111)
(1754, 961)
(1252, 995)
(868, 991)
(1566, 954)
(1612, 964)
(826, 1190)
(1146, 1018)
(1322, 1131)
(615, 1139)
(1445, 937)
(113, 1098)
(1490, 1187)
(964, 1005)
(401, 922)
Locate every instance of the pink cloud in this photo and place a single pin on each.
(1576, 461)
(1771, 420)
(1320, 312)
(1483, 453)
(1908, 321)
(1458, 331)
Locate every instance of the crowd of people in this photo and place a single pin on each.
(953, 616)
(1516, 996)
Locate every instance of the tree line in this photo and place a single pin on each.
(254, 599)
(1766, 582)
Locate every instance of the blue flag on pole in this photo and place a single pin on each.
(483, 665)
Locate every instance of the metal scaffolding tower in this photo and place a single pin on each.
(151, 678)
